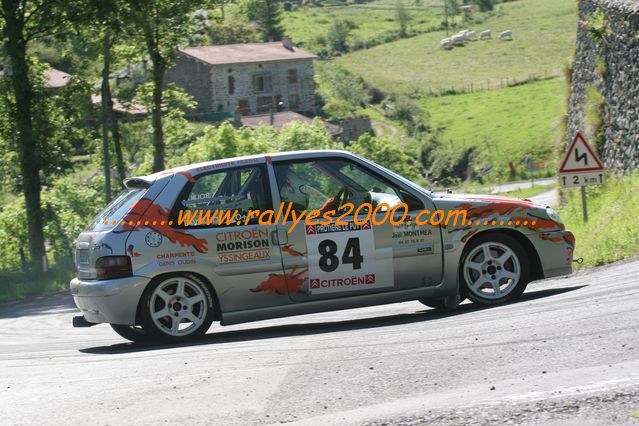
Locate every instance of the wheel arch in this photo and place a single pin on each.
(536, 271)
(217, 315)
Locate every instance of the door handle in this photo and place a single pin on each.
(279, 237)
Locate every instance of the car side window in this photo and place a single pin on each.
(326, 185)
(231, 193)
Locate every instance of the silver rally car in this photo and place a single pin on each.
(152, 275)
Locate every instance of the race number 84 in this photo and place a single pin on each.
(329, 261)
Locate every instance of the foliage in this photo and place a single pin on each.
(268, 14)
(597, 26)
(409, 114)
(387, 154)
(231, 32)
(172, 96)
(484, 5)
(67, 208)
(403, 18)
(341, 91)
(453, 8)
(595, 109)
(612, 230)
(337, 34)
(53, 121)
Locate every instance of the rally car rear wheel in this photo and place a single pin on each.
(495, 269)
(176, 308)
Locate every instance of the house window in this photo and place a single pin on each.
(231, 80)
(262, 83)
(293, 101)
(244, 107)
(263, 104)
(292, 76)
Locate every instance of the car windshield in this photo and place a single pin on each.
(116, 209)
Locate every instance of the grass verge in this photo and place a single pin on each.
(612, 230)
(18, 285)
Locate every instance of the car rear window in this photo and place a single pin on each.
(116, 209)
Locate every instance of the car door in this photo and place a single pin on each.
(242, 257)
(349, 251)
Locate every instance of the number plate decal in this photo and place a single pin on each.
(344, 258)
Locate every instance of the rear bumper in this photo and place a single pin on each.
(555, 250)
(109, 301)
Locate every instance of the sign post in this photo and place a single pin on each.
(581, 167)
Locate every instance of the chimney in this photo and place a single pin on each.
(287, 43)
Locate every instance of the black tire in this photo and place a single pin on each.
(433, 303)
(158, 330)
(131, 332)
(511, 292)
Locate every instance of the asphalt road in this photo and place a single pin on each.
(548, 198)
(513, 186)
(567, 353)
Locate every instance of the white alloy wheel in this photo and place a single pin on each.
(178, 306)
(492, 270)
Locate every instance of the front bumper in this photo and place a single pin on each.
(555, 249)
(110, 301)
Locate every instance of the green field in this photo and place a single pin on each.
(504, 124)
(372, 19)
(543, 39)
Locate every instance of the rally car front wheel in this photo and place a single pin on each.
(176, 308)
(494, 269)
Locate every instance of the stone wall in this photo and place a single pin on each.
(192, 76)
(609, 64)
(281, 89)
(353, 128)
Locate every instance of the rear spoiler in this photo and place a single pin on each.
(138, 182)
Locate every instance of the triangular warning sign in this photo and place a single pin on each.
(580, 157)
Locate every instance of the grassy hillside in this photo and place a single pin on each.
(373, 19)
(504, 124)
(544, 36)
(612, 232)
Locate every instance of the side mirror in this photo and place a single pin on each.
(411, 201)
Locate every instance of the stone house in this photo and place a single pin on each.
(248, 77)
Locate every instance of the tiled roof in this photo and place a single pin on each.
(56, 78)
(245, 53)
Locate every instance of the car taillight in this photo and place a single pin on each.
(109, 267)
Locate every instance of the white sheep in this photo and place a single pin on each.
(506, 35)
(485, 35)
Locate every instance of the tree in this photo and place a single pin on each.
(231, 32)
(452, 8)
(484, 5)
(338, 32)
(268, 14)
(24, 21)
(161, 25)
(111, 16)
(402, 17)
(341, 91)
(271, 21)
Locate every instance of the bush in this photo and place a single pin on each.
(337, 34)
(484, 5)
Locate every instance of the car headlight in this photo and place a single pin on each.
(553, 215)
